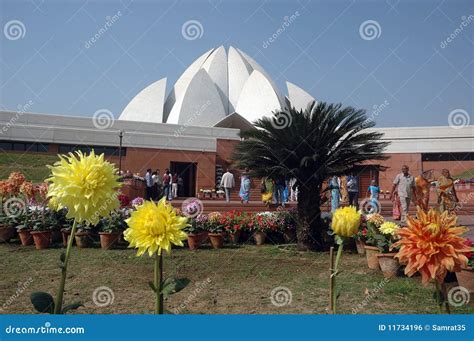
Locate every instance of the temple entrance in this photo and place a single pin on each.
(187, 172)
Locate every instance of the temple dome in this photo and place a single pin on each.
(217, 84)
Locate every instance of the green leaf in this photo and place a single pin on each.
(173, 285)
(72, 306)
(42, 301)
(152, 286)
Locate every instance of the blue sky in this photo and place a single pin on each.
(407, 66)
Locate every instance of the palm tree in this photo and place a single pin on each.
(310, 146)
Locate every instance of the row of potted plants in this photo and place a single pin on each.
(44, 226)
(376, 238)
(216, 226)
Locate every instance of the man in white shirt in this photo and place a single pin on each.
(228, 183)
(405, 185)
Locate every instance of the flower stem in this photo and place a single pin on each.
(59, 298)
(159, 283)
(334, 274)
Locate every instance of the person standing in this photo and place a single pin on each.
(166, 183)
(180, 186)
(267, 191)
(149, 184)
(174, 185)
(158, 180)
(373, 193)
(447, 197)
(404, 183)
(227, 182)
(353, 190)
(335, 186)
(245, 183)
(279, 188)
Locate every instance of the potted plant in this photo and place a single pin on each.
(195, 231)
(111, 228)
(24, 228)
(373, 221)
(233, 223)
(259, 226)
(66, 231)
(384, 240)
(215, 230)
(41, 230)
(466, 275)
(7, 230)
(286, 222)
(83, 236)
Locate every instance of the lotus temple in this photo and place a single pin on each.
(193, 125)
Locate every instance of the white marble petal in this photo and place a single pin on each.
(257, 67)
(239, 72)
(175, 97)
(147, 105)
(216, 67)
(258, 98)
(202, 105)
(299, 99)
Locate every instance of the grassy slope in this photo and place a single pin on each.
(32, 165)
(241, 280)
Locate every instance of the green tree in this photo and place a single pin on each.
(310, 146)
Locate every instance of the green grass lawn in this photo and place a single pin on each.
(232, 280)
(33, 166)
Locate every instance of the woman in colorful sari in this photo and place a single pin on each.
(447, 197)
(244, 192)
(422, 189)
(267, 191)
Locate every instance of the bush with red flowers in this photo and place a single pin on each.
(124, 200)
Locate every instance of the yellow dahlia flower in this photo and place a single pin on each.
(345, 221)
(154, 227)
(86, 185)
(389, 228)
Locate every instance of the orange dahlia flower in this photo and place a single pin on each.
(16, 179)
(432, 245)
(27, 189)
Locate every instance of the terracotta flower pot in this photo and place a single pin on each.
(65, 233)
(289, 235)
(194, 240)
(259, 237)
(388, 264)
(83, 239)
(25, 237)
(217, 240)
(204, 237)
(466, 279)
(6, 233)
(108, 240)
(235, 237)
(42, 239)
(360, 246)
(372, 259)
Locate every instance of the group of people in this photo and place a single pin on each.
(407, 187)
(347, 189)
(277, 190)
(167, 185)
